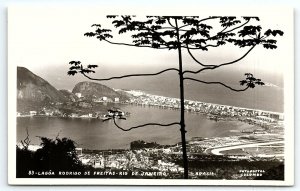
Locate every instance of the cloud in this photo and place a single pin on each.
(268, 84)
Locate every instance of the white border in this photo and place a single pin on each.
(288, 108)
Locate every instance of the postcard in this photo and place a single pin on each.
(144, 96)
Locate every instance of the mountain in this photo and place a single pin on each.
(94, 90)
(69, 95)
(33, 91)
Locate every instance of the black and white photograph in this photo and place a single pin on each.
(106, 97)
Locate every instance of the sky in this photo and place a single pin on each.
(45, 39)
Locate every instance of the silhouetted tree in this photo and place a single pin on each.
(24, 161)
(57, 154)
(184, 32)
(54, 155)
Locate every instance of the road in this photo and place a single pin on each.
(217, 150)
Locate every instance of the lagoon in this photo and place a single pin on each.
(95, 134)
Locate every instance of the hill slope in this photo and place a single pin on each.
(95, 90)
(69, 95)
(33, 91)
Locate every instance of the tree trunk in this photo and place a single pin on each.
(182, 121)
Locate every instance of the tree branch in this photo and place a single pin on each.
(212, 45)
(237, 27)
(223, 29)
(232, 62)
(168, 19)
(191, 48)
(144, 125)
(224, 64)
(126, 44)
(149, 29)
(25, 143)
(130, 75)
(229, 30)
(58, 135)
(189, 51)
(171, 28)
(233, 89)
(208, 18)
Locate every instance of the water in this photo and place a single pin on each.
(95, 134)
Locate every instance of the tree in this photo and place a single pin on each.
(57, 154)
(54, 155)
(190, 33)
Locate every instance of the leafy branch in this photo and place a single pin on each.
(77, 67)
(249, 82)
(154, 31)
(248, 36)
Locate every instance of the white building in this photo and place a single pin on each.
(264, 118)
(32, 113)
(79, 95)
(99, 163)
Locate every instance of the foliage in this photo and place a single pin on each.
(188, 32)
(161, 31)
(55, 155)
(250, 81)
(24, 162)
(136, 145)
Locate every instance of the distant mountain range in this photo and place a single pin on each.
(33, 92)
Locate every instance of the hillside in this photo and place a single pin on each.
(92, 90)
(34, 92)
(69, 95)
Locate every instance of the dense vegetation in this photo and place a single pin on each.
(140, 144)
(55, 155)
